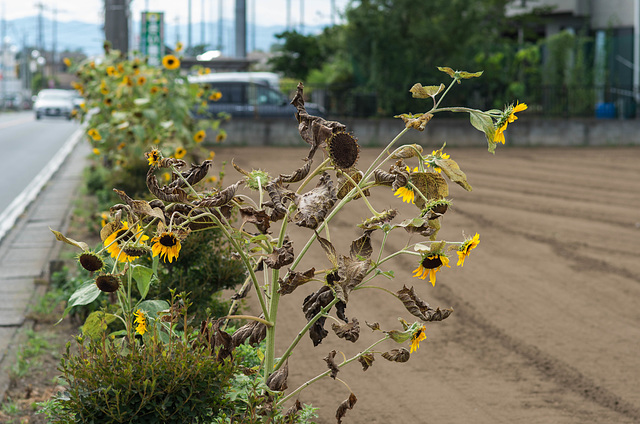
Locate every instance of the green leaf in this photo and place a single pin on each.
(142, 275)
(96, 324)
(453, 171)
(483, 122)
(152, 307)
(468, 75)
(85, 294)
(447, 71)
(421, 92)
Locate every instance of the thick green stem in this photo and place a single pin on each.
(304, 330)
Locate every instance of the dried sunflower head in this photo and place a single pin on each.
(343, 149)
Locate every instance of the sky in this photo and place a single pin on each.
(266, 12)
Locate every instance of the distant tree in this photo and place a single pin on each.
(297, 55)
(395, 43)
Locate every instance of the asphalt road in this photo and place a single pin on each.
(26, 146)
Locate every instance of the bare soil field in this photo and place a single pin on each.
(546, 322)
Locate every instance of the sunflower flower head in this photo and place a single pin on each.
(222, 136)
(418, 336)
(91, 261)
(94, 134)
(508, 116)
(179, 47)
(199, 136)
(167, 245)
(107, 283)
(153, 157)
(215, 96)
(140, 322)
(170, 62)
(467, 246)
(433, 259)
(119, 239)
(180, 153)
(406, 193)
(343, 150)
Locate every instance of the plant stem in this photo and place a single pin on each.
(327, 372)
(304, 330)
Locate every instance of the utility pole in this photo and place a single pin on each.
(220, 25)
(54, 35)
(178, 30)
(40, 41)
(288, 15)
(189, 27)
(301, 16)
(202, 24)
(3, 73)
(241, 28)
(116, 24)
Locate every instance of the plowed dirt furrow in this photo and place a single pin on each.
(546, 322)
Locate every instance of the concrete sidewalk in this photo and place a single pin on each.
(27, 249)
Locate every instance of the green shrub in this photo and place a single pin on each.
(150, 383)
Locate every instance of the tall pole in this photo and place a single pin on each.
(220, 25)
(301, 16)
(288, 15)
(241, 28)
(116, 24)
(189, 27)
(202, 24)
(3, 76)
(53, 43)
(40, 41)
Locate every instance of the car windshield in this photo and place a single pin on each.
(54, 95)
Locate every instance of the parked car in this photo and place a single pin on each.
(54, 102)
(250, 95)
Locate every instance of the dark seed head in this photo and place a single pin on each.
(343, 150)
(431, 262)
(107, 283)
(90, 261)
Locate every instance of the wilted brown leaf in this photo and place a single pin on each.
(346, 185)
(314, 205)
(193, 175)
(397, 355)
(222, 198)
(349, 331)
(361, 247)
(290, 415)
(407, 152)
(79, 244)
(311, 306)
(419, 308)
(297, 175)
(431, 184)
(140, 207)
(329, 359)
(277, 381)
(418, 121)
(344, 406)
(374, 222)
(258, 218)
(366, 359)
(280, 256)
(374, 326)
(165, 193)
(453, 171)
(294, 280)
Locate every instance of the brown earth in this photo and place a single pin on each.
(546, 327)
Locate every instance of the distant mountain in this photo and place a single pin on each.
(88, 37)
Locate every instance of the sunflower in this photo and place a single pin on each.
(94, 134)
(467, 246)
(142, 79)
(179, 46)
(508, 116)
(170, 62)
(429, 265)
(96, 151)
(199, 136)
(416, 338)
(123, 235)
(108, 101)
(91, 261)
(140, 321)
(406, 193)
(153, 157)
(215, 96)
(180, 152)
(343, 150)
(154, 89)
(222, 136)
(67, 61)
(107, 283)
(166, 245)
(111, 71)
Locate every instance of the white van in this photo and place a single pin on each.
(250, 95)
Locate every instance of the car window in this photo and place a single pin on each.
(261, 95)
(231, 93)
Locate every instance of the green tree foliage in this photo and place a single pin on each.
(395, 43)
(298, 55)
